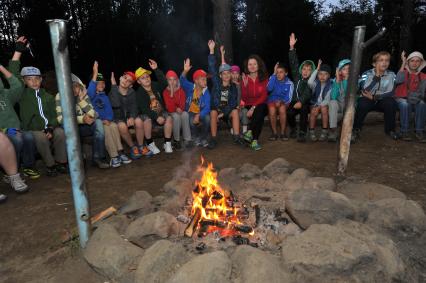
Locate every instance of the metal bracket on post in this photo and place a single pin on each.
(345, 137)
(58, 35)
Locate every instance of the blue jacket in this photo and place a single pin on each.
(216, 90)
(380, 87)
(204, 103)
(280, 90)
(100, 102)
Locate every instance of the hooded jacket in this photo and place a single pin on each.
(123, 106)
(407, 81)
(280, 90)
(380, 87)
(177, 101)
(100, 102)
(302, 92)
(320, 93)
(204, 101)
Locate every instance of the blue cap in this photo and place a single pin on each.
(224, 67)
(343, 63)
(30, 71)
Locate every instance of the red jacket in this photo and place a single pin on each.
(255, 92)
(177, 101)
(405, 81)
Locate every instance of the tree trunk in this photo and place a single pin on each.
(222, 25)
(405, 38)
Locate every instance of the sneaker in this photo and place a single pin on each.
(17, 183)
(323, 135)
(188, 144)
(31, 173)
(283, 137)
(153, 148)
(177, 145)
(135, 153)
(406, 137)
(356, 135)
(61, 168)
(212, 143)
(237, 139)
(273, 137)
(312, 135)
(204, 143)
(51, 171)
(420, 137)
(115, 162)
(197, 142)
(255, 146)
(301, 137)
(394, 135)
(101, 164)
(3, 198)
(248, 136)
(124, 159)
(145, 151)
(293, 134)
(332, 136)
(168, 147)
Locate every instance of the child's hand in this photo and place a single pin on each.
(337, 75)
(113, 81)
(276, 68)
(88, 120)
(211, 45)
(95, 67)
(298, 105)
(196, 120)
(245, 79)
(178, 110)
(292, 41)
(130, 122)
(403, 57)
(21, 44)
(160, 120)
(222, 50)
(187, 65)
(250, 112)
(319, 64)
(152, 64)
(367, 94)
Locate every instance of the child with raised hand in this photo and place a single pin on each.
(174, 100)
(123, 102)
(321, 85)
(280, 89)
(102, 105)
(224, 98)
(302, 93)
(197, 103)
(337, 98)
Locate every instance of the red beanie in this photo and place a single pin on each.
(171, 74)
(130, 74)
(199, 74)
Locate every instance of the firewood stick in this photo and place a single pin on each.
(103, 214)
(192, 226)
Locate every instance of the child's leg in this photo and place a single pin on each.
(124, 132)
(140, 130)
(333, 110)
(213, 122)
(147, 129)
(168, 127)
(186, 130)
(176, 125)
(313, 117)
(272, 111)
(283, 117)
(116, 136)
(324, 117)
(110, 143)
(235, 117)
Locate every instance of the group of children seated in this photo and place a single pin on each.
(189, 111)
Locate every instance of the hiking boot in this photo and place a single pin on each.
(3, 198)
(17, 183)
(394, 135)
(124, 159)
(51, 171)
(31, 173)
(248, 136)
(61, 168)
(301, 137)
(255, 146)
(135, 153)
(212, 143)
(101, 164)
(293, 134)
(312, 135)
(283, 137)
(406, 137)
(115, 162)
(273, 137)
(323, 135)
(420, 137)
(153, 148)
(168, 147)
(332, 136)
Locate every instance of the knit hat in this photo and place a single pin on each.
(171, 74)
(419, 55)
(130, 74)
(224, 67)
(199, 74)
(325, 68)
(343, 63)
(141, 71)
(30, 71)
(100, 77)
(307, 62)
(235, 68)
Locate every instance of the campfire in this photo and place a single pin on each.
(216, 210)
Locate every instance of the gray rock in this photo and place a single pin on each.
(276, 167)
(140, 200)
(119, 222)
(160, 262)
(146, 230)
(296, 179)
(320, 183)
(369, 191)
(229, 179)
(399, 218)
(326, 253)
(252, 265)
(182, 186)
(111, 255)
(213, 267)
(318, 206)
(249, 171)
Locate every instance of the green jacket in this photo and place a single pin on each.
(8, 98)
(30, 114)
(143, 100)
(302, 91)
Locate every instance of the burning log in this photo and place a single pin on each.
(216, 223)
(192, 226)
(244, 229)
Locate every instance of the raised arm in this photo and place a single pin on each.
(222, 54)
(292, 56)
(212, 65)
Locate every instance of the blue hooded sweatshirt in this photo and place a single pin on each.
(100, 102)
(280, 90)
(204, 103)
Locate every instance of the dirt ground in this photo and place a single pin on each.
(31, 225)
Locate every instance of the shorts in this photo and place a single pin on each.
(274, 103)
(163, 114)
